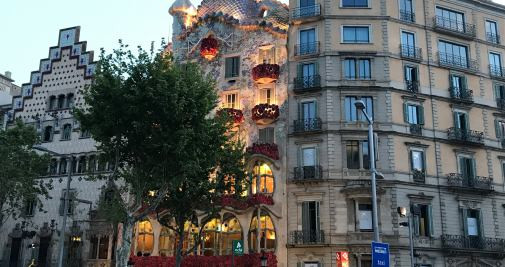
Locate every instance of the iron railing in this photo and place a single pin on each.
(307, 83)
(500, 103)
(419, 176)
(416, 129)
(411, 52)
(308, 173)
(497, 71)
(455, 61)
(308, 125)
(310, 237)
(459, 134)
(307, 49)
(476, 182)
(413, 86)
(407, 15)
(461, 94)
(493, 38)
(454, 26)
(473, 242)
(306, 11)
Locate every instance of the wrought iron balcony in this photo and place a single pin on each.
(307, 83)
(493, 38)
(458, 62)
(306, 12)
(308, 173)
(461, 242)
(311, 237)
(411, 52)
(461, 94)
(476, 182)
(465, 136)
(460, 28)
(416, 129)
(308, 125)
(419, 176)
(412, 86)
(307, 49)
(407, 15)
(497, 71)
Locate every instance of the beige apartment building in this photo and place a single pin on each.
(431, 73)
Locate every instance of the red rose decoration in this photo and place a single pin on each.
(209, 48)
(265, 113)
(269, 150)
(266, 73)
(235, 114)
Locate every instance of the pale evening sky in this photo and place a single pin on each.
(30, 27)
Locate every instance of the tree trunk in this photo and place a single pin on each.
(123, 251)
(178, 255)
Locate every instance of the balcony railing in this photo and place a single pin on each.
(419, 176)
(307, 49)
(497, 71)
(407, 16)
(311, 237)
(467, 136)
(412, 86)
(307, 173)
(416, 129)
(473, 243)
(307, 83)
(461, 94)
(500, 103)
(493, 38)
(454, 26)
(308, 125)
(455, 61)
(477, 182)
(306, 12)
(411, 52)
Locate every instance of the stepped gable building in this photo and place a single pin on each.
(46, 102)
(431, 74)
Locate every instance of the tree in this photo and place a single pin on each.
(154, 118)
(20, 185)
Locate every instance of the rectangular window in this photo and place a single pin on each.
(70, 207)
(422, 220)
(99, 247)
(267, 55)
(232, 67)
(365, 217)
(450, 19)
(406, 10)
(67, 131)
(453, 54)
(356, 34)
(307, 42)
(492, 32)
(357, 69)
(266, 96)
(461, 121)
(353, 114)
(310, 221)
(495, 64)
(231, 101)
(414, 114)
(473, 223)
(358, 156)
(411, 74)
(499, 91)
(29, 209)
(467, 170)
(417, 160)
(354, 3)
(266, 135)
(309, 157)
(308, 110)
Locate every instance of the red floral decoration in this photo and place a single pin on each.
(235, 114)
(266, 73)
(269, 150)
(252, 201)
(265, 113)
(209, 48)
(247, 260)
(260, 199)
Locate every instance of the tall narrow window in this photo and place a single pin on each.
(61, 101)
(308, 110)
(417, 160)
(414, 114)
(262, 179)
(145, 238)
(267, 235)
(307, 8)
(308, 157)
(307, 42)
(70, 101)
(492, 32)
(266, 96)
(411, 78)
(53, 102)
(63, 166)
(365, 217)
(353, 114)
(48, 134)
(70, 195)
(352, 151)
(407, 10)
(461, 121)
(232, 67)
(266, 135)
(67, 131)
(210, 244)
(495, 64)
(356, 34)
(29, 208)
(423, 225)
(473, 223)
(53, 167)
(310, 222)
(355, 69)
(231, 101)
(307, 75)
(408, 45)
(231, 230)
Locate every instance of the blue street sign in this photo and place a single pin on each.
(380, 254)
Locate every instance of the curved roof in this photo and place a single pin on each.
(180, 6)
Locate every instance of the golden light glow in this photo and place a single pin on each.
(151, 193)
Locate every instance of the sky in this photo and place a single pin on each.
(30, 27)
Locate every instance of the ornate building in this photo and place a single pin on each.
(46, 102)
(431, 74)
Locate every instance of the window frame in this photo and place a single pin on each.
(66, 132)
(235, 104)
(361, 154)
(232, 74)
(356, 26)
(416, 219)
(368, 5)
(356, 69)
(358, 217)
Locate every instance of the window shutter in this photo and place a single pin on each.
(481, 224)
(464, 83)
(456, 120)
(299, 264)
(424, 161)
(300, 111)
(498, 129)
(405, 72)
(462, 166)
(236, 66)
(320, 264)
(416, 77)
(228, 67)
(420, 111)
(316, 68)
(474, 169)
(411, 159)
(415, 219)
(464, 214)
(406, 113)
(431, 231)
(496, 92)
(299, 70)
(305, 218)
(316, 155)
(300, 155)
(318, 221)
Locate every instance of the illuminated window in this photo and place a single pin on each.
(145, 239)
(231, 230)
(262, 179)
(211, 235)
(167, 242)
(266, 233)
(231, 101)
(266, 96)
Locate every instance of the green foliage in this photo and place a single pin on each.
(20, 169)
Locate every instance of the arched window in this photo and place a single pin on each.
(167, 242)
(63, 166)
(92, 163)
(61, 101)
(266, 232)
(82, 165)
(262, 179)
(52, 102)
(231, 230)
(70, 101)
(53, 167)
(145, 239)
(211, 237)
(48, 134)
(67, 131)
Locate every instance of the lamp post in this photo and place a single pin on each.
(402, 211)
(360, 105)
(61, 241)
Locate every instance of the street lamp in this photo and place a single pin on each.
(61, 242)
(402, 211)
(360, 105)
